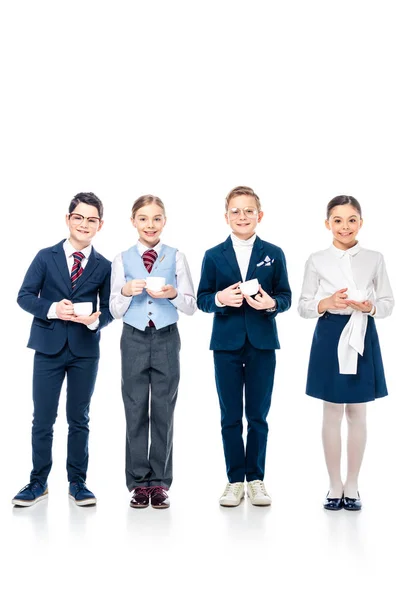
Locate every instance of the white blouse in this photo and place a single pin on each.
(357, 268)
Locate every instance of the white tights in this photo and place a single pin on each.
(332, 442)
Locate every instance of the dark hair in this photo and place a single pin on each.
(144, 201)
(87, 198)
(242, 190)
(339, 201)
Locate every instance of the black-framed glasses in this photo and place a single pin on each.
(77, 219)
(248, 211)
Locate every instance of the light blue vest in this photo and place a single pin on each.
(143, 307)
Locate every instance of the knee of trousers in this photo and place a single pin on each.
(81, 422)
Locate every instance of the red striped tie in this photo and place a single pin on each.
(149, 258)
(77, 269)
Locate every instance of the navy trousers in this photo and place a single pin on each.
(253, 370)
(49, 372)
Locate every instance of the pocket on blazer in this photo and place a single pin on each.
(44, 324)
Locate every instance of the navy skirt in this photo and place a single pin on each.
(324, 380)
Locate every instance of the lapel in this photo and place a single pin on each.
(229, 254)
(61, 264)
(257, 255)
(92, 264)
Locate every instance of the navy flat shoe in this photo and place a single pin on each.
(352, 503)
(333, 503)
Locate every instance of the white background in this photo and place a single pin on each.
(186, 100)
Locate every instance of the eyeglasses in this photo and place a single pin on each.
(77, 219)
(248, 211)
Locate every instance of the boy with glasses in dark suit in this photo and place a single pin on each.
(62, 289)
(244, 339)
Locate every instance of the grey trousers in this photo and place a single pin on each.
(150, 378)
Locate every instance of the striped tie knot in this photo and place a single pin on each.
(77, 269)
(149, 258)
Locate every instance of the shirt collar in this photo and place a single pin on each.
(352, 251)
(238, 242)
(142, 248)
(69, 249)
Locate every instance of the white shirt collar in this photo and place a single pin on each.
(238, 242)
(69, 249)
(352, 251)
(142, 248)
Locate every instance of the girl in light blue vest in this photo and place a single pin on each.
(150, 283)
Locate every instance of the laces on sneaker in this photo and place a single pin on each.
(33, 485)
(80, 485)
(257, 487)
(232, 488)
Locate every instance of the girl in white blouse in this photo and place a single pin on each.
(346, 287)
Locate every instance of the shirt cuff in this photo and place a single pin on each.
(94, 326)
(372, 312)
(52, 314)
(217, 302)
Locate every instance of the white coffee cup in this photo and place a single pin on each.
(249, 287)
(83, 309)
(357, 295)
(154, 284)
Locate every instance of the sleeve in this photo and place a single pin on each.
(119, 303)
(384, 300)
(29, 297)
(308, 302)
(185, 301)
(104, 297)
(281, 291)
(207, 290)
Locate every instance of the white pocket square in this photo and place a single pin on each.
(267, 262)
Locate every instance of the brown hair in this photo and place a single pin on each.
(144, 201)
(339, 201)
(242, 190)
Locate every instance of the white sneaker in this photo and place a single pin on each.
(257, 493)
(233, 494)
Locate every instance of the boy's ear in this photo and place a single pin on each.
(226, 218)
(361, 222)
(100, 226)
(260, 216)
(133, 222)
(327, 224)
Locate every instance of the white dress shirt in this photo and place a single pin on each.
(243, 250)
(69, 251)
(185, 300)
(332, 269)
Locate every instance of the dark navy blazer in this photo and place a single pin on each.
(48, 280)
(220, 269)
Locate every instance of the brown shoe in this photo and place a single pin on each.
(159, 497)
(140, 497)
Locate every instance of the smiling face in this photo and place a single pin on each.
(243, 225)
(345, 222)
(82, 231)
(149, 222)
